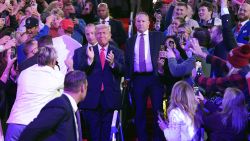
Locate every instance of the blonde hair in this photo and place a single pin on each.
(57, 12)
(234, 108)
(103, 26)
(52, 5)
(182, 97)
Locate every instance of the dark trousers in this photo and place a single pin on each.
(142, 87)
(98, 121)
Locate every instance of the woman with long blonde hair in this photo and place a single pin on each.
(183, 116)
(230, 122)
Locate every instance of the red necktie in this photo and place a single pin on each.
(238, 27)
(102, 58)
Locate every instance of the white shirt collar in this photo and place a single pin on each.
(106, 47)
(106, 19)
(145, 33)
(244, 22)
(89, 45)
(72, 102)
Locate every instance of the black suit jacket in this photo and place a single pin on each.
(118, 33)
(55, 122)
(155, 40)
(79, 55)
(228, 43)
(110, 77)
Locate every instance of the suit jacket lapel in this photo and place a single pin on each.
(109, 49)
(72, 111)
(244, 27)
(132, 52)
(110, 22)
(97, 56)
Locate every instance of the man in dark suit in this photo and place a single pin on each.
(223, 39)
(81, 52)
(59, 120)
(117, 31)
(103, 65)
(142, 51)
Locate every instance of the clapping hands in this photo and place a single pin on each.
(110, 58)
(90, 54)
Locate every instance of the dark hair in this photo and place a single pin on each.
(206, 4)
(45, 41)
(203, 36)
(74, 80)
(6, 31)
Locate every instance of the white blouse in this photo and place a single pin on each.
(180, 126)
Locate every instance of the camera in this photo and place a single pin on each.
(158, 11)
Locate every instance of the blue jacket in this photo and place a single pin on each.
(244, 33)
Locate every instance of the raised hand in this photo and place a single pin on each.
(196, 49)
(10, 43)
(170, 53)
(90, 54)
(10, 61)
(162, 123)
(69, 63)
(110, 58)
(4, 39)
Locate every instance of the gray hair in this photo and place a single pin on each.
(90, 25)
(46, 56)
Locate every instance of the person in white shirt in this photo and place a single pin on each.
(184, 119)
(59, 120)
(36, 86)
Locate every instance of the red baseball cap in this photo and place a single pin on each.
(67, 24)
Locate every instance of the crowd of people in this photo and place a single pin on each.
(62, 64)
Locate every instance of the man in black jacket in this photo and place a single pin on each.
(59, 120)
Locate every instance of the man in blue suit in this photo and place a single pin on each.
(142, 51)
(103, 65)
(59, 119)
(242, 29)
